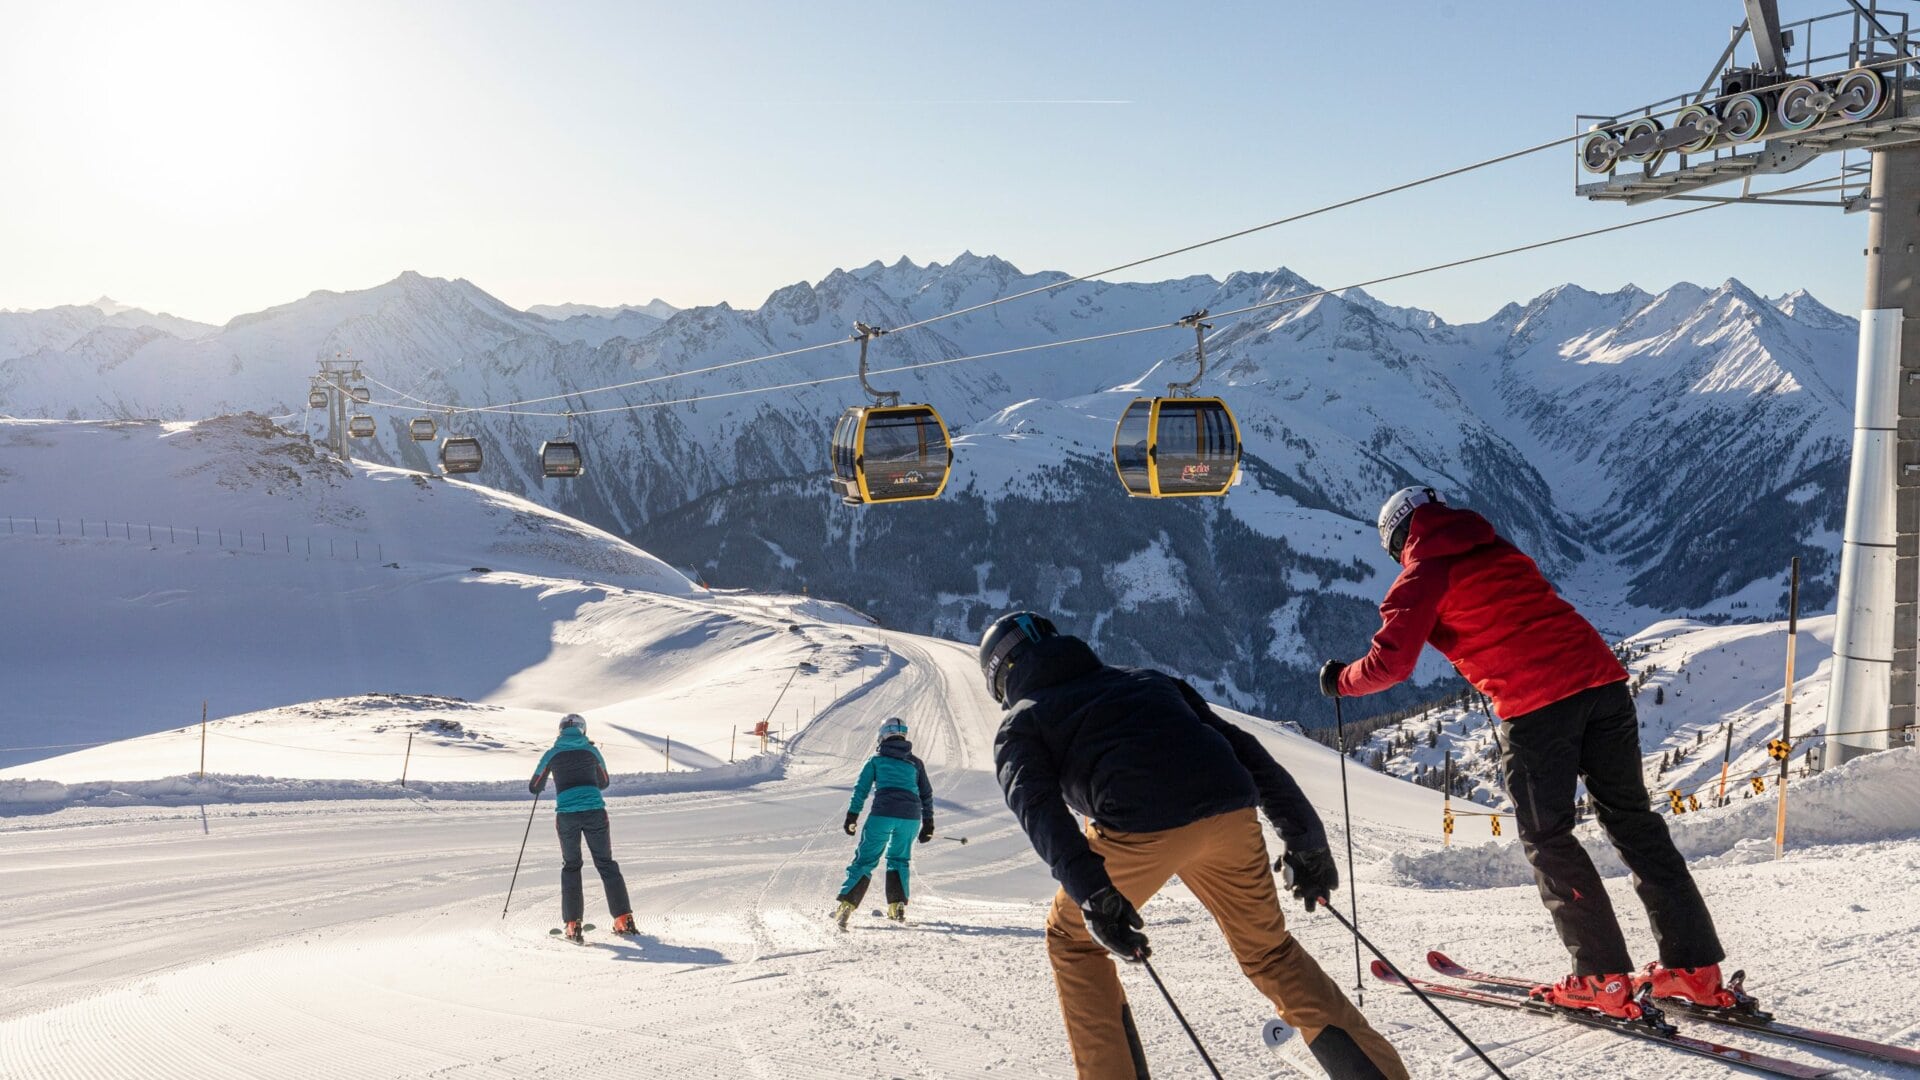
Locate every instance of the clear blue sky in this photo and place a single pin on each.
(211, 159)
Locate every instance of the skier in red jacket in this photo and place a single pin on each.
(1568, 717)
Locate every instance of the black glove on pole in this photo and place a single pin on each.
(1114, 923)
(1330, 678)
(852, 820)
(523, 851)
(1309, 874)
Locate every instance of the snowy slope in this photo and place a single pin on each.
(369, 934)
(230, 562)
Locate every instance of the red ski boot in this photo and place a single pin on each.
(572, 933)
(1698, 986)
(624, 926)
(1611, 995)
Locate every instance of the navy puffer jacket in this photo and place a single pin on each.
(1132, 749)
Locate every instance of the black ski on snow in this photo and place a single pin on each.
(1759, 1022)
(1729, 1055)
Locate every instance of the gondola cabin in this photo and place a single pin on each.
(359, 393)
(360, 427)
(560, 458)
(422, 429)
(890, 453)
(1168, 446)
(317, 399)
(460, 454)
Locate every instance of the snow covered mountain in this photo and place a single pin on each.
(1635, 443)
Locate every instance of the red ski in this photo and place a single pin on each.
(1639, 1029)
(1746, 1020)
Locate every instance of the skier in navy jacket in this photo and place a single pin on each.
(1168, 788)
(579, 775)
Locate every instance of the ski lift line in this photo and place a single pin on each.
(1038, 290)
(1112, 334)
(1248, 231)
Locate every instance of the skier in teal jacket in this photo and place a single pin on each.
(902, 808)
(580, 775)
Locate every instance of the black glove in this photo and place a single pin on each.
(926, 830)
(1330, 677)
(1115, 925)
(536, 785)
(853, 818)
(1310, 875)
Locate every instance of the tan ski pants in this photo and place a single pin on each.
(1223, 860)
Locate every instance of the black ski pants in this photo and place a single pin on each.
(592, 825)
(1595, 736)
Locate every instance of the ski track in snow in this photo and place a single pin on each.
(355, 938)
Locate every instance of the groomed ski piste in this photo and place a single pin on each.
(297, 912)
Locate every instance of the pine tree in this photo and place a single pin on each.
(1659, 695)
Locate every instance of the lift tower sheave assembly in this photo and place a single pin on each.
(1844, 83)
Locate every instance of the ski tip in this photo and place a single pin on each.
(1383, 972)
(1442, 963)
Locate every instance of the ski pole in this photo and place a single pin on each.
(1346, 816)
(955, 839)
(522, 855)
(1360, 939)
(1178, 1015)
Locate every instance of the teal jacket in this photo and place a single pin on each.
(898, 781)
(579, 774)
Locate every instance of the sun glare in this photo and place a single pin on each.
(193, 112)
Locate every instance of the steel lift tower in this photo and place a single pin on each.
(1844, 83)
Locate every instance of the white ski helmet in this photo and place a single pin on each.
(1395, 513)
(894, 728)
(573, 720)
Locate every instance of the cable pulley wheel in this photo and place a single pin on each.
(1641, 140)
(1599, 152)
(1702, 121)
(1743, 117)
(1801, 105)
(1860, 95)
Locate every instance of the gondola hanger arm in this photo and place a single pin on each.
(863, 333)
(1197, 320)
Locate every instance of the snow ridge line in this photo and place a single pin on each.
(46, 796)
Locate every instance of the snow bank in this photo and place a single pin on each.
(1868, 799)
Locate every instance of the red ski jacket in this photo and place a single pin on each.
(1484, 604)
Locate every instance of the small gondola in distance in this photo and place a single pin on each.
(460, 454)
(560, 459)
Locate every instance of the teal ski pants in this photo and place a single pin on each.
(889, 835)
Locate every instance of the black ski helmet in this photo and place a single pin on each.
(1002, 643)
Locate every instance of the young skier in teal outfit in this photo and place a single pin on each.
(902, 809)
(580, 775)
